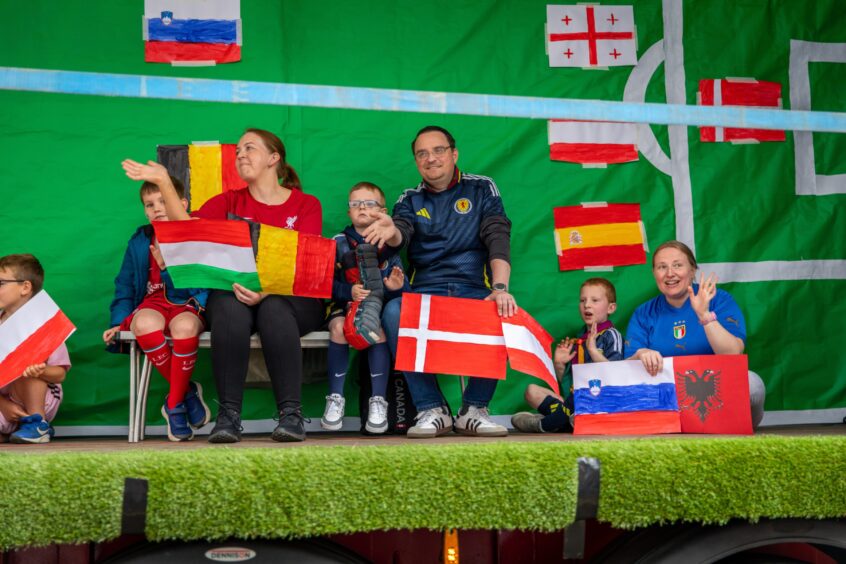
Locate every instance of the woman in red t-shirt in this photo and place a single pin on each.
(273, 196)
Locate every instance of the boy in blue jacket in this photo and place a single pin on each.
(348, 288)
(147, 304)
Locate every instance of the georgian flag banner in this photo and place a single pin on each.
(592, 142)
(590, 36)
(30, 335)
(210, 253)
(739, 92)
(191, 32)
(599, 235)
(461, 336)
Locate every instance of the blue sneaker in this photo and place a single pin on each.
(198, 412)
(177, 422)
(33, 429)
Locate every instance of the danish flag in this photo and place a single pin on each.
(590, 36)
(441, 335)
(31, 335)
(739, 92)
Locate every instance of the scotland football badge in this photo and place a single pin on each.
(167, 18)
(595, 387)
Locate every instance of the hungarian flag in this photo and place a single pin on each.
(621, 398)
(592, 142)
(441, 335)
(209, 253)
(713, 394)
(529, 345)
(30, 335)
(205, 168)
(590, 36)
(189, 32)
(599, 235)
(739, 92)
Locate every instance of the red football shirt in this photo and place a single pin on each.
(302, 212)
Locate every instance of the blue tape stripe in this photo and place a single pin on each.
(193, 31)
(281, 94)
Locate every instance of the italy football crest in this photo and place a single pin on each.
(679, 331)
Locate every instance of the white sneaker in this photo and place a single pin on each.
(333, 415)
(477, 422)
(431, 423)
(377, 415)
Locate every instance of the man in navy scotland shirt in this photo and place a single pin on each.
(458, 241)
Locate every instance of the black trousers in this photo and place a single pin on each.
(280, 322)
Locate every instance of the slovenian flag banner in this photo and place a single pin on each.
(206, 168)
(30, 335)
(192, 32)
(209, 253)
(599, 236)
(621, 398)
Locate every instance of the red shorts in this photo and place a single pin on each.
(169, 310)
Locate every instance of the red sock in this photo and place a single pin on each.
(155, 347)
(184, 357)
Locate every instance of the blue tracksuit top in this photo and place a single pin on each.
(446, 246)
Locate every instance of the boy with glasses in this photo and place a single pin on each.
(28, 404)
(349, 292)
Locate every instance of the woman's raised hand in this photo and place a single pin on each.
(700, 300)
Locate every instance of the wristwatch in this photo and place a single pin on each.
(499, 287)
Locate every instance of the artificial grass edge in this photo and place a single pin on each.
(220, 492)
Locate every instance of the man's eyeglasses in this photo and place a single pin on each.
(369, 204)
(423, 154)
(4, 282)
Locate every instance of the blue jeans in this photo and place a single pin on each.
(424, 387)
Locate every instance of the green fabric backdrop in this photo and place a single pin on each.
(66, 199)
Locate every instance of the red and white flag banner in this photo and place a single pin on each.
(739, 92)
(590, 36)
(592, 142)
(31, 335)
(442, 335)
(529, 345)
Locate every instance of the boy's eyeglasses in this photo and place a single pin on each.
(369, 204)
(4, 282)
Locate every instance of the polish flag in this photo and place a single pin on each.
(441, 335)
(592, 142)
(529, 346)
(31, 335)
(739, 92)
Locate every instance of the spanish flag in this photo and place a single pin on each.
(206, 168)
(599, 235)
(211, 253)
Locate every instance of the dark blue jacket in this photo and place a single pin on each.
(131, 281)
(443, 230)
(345, 243)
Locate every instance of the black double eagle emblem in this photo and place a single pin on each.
(700, 393)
